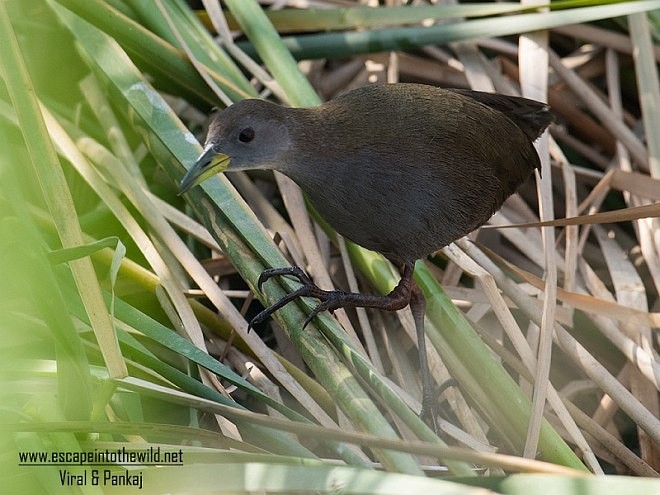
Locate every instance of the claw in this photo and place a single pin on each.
(260, 318)
(261, 280)
(264, 277)
(318, 309)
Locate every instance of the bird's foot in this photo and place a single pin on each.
(330, 300)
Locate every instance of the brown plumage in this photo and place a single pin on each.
(403, 169)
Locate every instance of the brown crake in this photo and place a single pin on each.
(402, 169)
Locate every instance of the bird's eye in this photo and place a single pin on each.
(246, 135)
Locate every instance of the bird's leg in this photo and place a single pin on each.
(406, 292)
(429, 401)
(335, 299)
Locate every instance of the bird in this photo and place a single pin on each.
(402, 169)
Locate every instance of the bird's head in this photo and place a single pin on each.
(251, 134)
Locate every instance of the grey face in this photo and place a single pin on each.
(251, 134)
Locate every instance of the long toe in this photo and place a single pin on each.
(305, 290)
(325, 305)
(293, 271)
